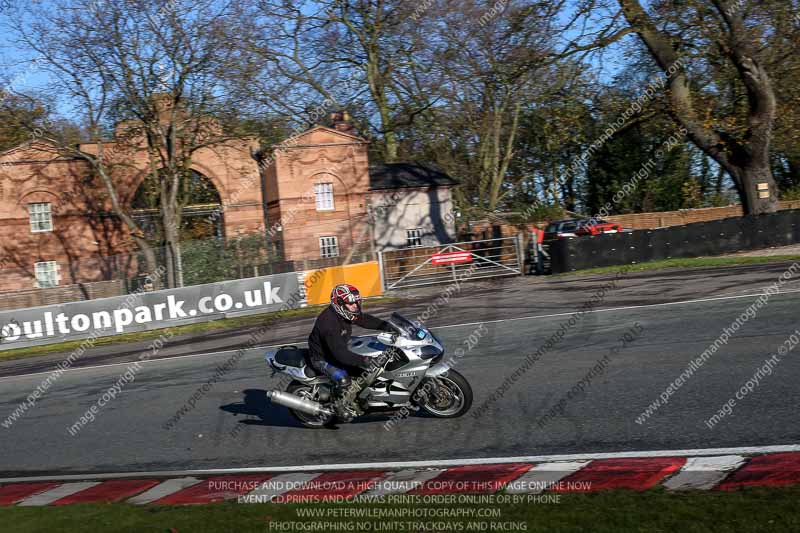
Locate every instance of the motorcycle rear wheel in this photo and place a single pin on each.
(306, 420)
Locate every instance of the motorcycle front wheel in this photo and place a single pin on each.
(454, 398)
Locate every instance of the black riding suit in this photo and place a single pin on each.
(327, 344)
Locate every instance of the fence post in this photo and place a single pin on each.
(380, 270)
(520, 254)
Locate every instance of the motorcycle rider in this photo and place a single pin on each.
(328, 350)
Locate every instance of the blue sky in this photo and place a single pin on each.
(20, 75)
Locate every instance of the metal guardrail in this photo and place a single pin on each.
(472, 260)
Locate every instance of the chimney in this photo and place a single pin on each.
(341, 121)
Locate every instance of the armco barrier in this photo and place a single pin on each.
(716, 237)
(365, 276)
(150, 310)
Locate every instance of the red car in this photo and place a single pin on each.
(579, 227)
(597, 227)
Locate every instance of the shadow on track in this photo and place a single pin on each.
(256, 403)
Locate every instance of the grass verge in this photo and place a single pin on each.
(201, 327)
(751, 510)
(694, 262)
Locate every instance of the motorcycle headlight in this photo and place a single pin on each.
(429, 352)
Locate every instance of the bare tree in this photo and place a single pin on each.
(148, 69)
(494, 60)
(721, 24)
(307, 58)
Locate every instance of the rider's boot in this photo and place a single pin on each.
(343, 396)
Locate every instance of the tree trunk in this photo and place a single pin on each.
(151, 261)
(172, 253)
(136, 232)
(752, 177)
(746, 161)
(377, 87)
(389, 136)
(169, 264)
(170, 224)
(391, 146)
(505, 154)
(178, 264)
(718, 183)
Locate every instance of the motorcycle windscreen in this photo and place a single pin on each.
(408, 327)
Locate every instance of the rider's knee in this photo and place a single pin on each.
(339, 376)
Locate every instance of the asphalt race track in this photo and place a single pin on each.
(233, 424)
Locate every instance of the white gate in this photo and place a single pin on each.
(418, 266)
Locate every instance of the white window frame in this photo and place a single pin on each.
(46, 274)
(41, 217)
(323, 192)
(414, 238)
(329, 246)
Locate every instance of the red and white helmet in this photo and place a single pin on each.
(346, 294)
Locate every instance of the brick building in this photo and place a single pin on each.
(316, 196)
(325, 198)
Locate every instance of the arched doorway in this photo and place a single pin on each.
(201, 234)
(204, 252)
(202, 208)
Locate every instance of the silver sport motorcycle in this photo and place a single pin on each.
(407, 374)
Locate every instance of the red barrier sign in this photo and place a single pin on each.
(451, 257)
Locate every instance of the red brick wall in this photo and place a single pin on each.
(81, 246)
(88, 246)
(321, 155)
(685, 216)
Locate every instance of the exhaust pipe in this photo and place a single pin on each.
(297, 403)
